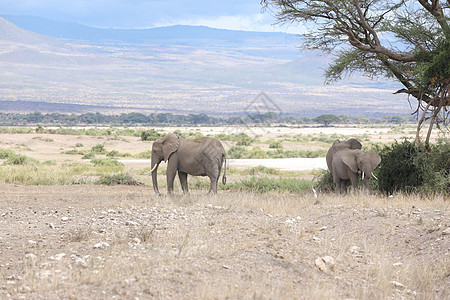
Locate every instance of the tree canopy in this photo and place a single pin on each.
(408, 40)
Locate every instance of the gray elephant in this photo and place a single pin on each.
(201, 157)
(347, 164)
(338, 145)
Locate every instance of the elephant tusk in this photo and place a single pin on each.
(151, 171)
(374, 176)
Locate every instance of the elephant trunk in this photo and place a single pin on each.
(155, 165)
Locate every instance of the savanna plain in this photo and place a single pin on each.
(79, 220)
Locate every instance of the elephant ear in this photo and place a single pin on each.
(354, 144)
(349, 159)
(170, 144)
(375, 159)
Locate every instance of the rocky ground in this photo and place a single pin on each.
(96, 242)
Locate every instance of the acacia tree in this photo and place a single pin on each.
(408, 40)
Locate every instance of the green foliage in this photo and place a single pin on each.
(118, 179)
(242, 139)
(258, 170)
(89, 155)
(324, 181)
(327, 119)
(266, 184)
(144, 155)
(98, 149)
(18, 159)
(257, 153)
(275, 145)
(406, 168)
(106, 162)
(79, 145)
(5, 153)
(150, 135)
(237, 152)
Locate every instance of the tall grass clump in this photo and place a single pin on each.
(267, 184)
(407, 168)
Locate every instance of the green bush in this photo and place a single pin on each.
(261, 170)
(118, 179)
(5, 153)
(237, 152)
(99, 149)
(17, 159)
(266, 184)
(407, 168)
(243, 139)
(150, 135)
(106, 162)
(275, 144)
(89, 155)
(258, 153)
(324, 181)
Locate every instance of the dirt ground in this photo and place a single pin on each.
(123, 242)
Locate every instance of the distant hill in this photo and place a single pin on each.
(181, 35)
(178, 69)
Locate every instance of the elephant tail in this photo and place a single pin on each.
(224, 178)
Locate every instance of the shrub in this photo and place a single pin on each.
(243, 139)
(275, 144)
(144, 155)
(105, 162)
(257, 152)
(261, 170)
(89, 155)
(5, 153)
(99, 148)
(118, 179)
(17, 159)
(237, 152)
(266, 184)
(150, 135)
(78, 145)
(324, 181)
(407, 168)
(113, 153)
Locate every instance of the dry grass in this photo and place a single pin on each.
(124, 242)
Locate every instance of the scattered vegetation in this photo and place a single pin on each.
(118, 179)
(126, 119)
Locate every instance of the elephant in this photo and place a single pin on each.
(347, 164)
(338, 145)
(200, 157)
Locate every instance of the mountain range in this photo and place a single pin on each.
(178, 69)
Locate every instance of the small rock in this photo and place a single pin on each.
(323, 228)
(131, 223)
(101, 245)
(446, 231)
(397, 285)
(397, 264)
(58, 256)
(226, 267)
(51, 225)
(64, 219)
(31, 242)
(325, 264)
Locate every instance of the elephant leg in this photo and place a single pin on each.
(170, 181)
(183, 180)
(354, 181)
(337, 185)
(213, 185)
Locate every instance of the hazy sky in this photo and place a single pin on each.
(228, 14)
